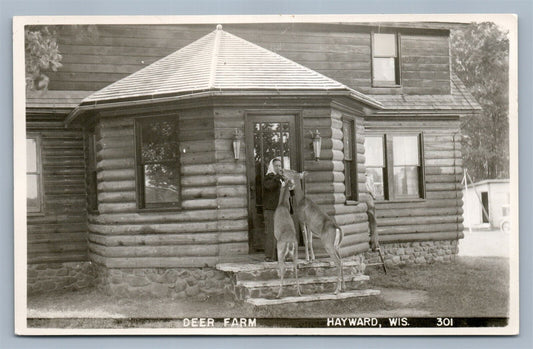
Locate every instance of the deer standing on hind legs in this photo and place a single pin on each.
(315, 222)
(285, 233)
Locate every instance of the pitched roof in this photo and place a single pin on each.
(220, 62)
(66, 100)
(458, 100)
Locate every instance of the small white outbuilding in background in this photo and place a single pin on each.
(494, 196)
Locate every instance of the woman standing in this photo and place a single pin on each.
(271, 185)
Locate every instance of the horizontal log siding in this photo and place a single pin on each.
(325, 182)
(91, 62)
(439, 215)
(231, 183)
(213, 218)
(425, 64)
(59, 233)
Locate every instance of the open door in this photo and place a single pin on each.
(267, 137)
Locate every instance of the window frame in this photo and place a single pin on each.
(39, 172)
(91, 152)
(383, 168)
(353, 161)
(397, 62)
(139, 167)
(388, 176)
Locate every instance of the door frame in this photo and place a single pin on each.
(249, 117)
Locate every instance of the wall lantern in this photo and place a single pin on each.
(236, 144)
(317, 144)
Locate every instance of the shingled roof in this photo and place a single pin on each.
(459, 100)
(221, 62)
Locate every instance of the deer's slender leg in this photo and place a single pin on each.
(310, 238)
(339, 258)
(338, 262)
(306, 241)
(295, 263)
(282, 253)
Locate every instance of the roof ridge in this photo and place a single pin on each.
(214, 57)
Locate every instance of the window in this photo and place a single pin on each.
(350, 159)
(34, 189)
(158, 171)
(92, 192)
(375, 163)
(395, 164)
(385, 60)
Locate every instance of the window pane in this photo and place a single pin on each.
(31, 155)
(161, 183)
(32, 193)
(286, 160)
(383, 69)
(374, 152)
(406, 181)
(384, 45)
(405, 151)
(347, 179)
(347, 140)
(377, 176)
(159, 140)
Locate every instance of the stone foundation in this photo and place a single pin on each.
(174, 283)
(70, 276)
(419, 252)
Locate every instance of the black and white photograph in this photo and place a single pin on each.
(252, 175)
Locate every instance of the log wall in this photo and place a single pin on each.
(212, 221)
(59, 233)
(439, 215)
(92, 59)
(325, 182)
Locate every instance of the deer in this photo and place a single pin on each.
(313, 221)
(285, 234)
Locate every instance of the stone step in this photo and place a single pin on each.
(269, 270)
(303, 281)
(308, 285)
(313, 297)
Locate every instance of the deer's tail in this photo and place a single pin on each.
(338, 237)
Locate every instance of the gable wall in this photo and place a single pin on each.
(343, 53)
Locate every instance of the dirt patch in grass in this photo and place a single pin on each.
(470, 286)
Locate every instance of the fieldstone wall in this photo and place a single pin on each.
(415, 252)
(69, 276)
(163, 282)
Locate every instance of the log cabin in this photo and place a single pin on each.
(146, 154)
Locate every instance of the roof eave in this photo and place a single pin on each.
(86, 106)
(427, 111)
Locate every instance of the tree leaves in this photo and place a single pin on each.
(42, 54)
(480, 58)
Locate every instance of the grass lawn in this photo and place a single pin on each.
(470, 286)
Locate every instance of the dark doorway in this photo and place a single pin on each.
(485, 203)
(267, 137)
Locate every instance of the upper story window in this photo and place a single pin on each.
(385, 60)
(350, 159)
(34, 189)
(157, 156)
(395, 164)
